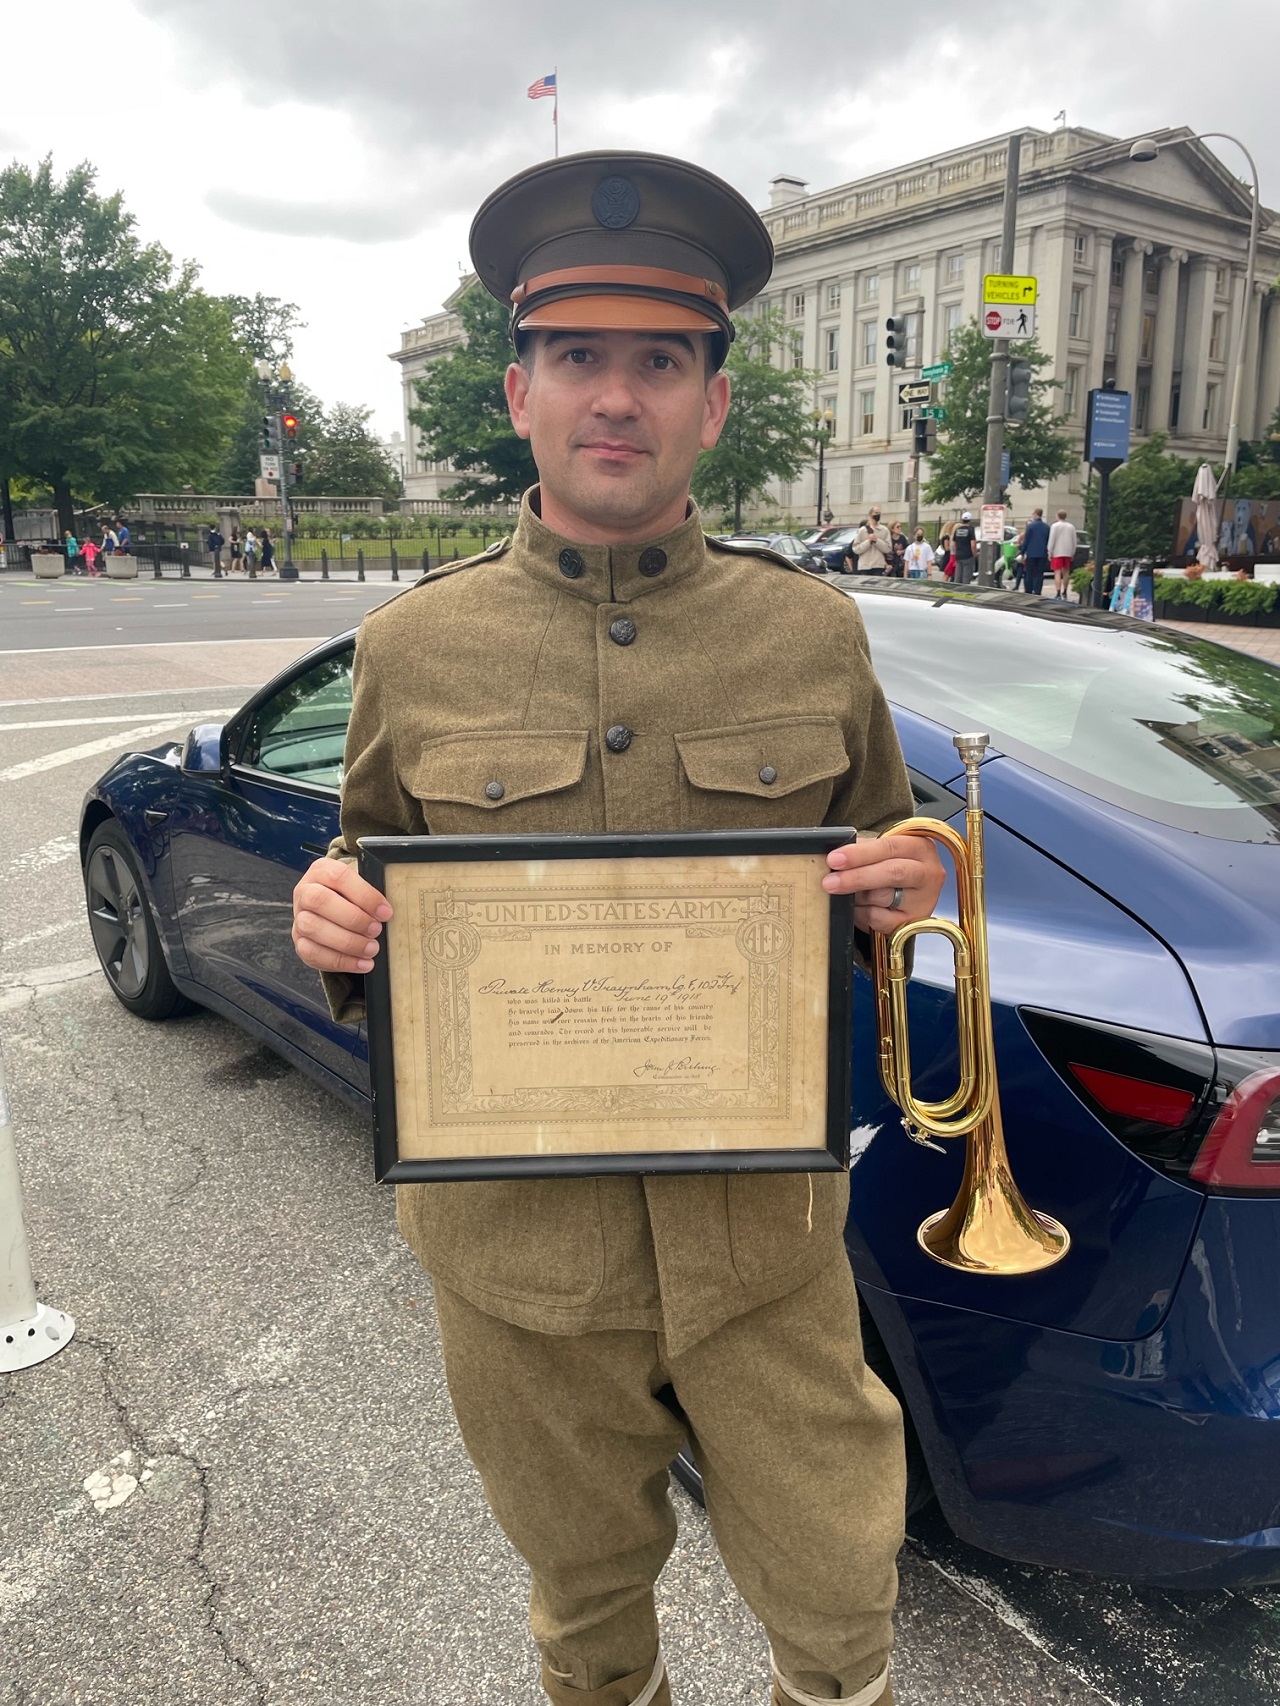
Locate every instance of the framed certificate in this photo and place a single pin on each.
(567, 1004)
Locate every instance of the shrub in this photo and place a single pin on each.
(1248, 598)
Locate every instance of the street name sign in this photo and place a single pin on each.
(939, 370)
(1006, 321)
(992, 530)
(933, 412)
(914, 391)
(1009, 287)
(269, 467)
(1106, 438)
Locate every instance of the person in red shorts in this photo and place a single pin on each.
(1062, 553)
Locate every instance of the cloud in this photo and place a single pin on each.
(352, 221)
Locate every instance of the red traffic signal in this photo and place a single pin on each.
(290, 425)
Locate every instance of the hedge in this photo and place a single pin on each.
(1237, 598)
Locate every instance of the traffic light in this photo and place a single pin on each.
(295, 473)
(926, 437)
(290, 425)
(268, 435)
(895, 342)
(1018, 401)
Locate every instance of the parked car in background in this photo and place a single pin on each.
(1118, 1413)
(785, 544)
(833, 549)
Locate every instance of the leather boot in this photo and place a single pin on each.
(647, 1687)
(885, 1698)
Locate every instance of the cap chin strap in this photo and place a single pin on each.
(650, 1689)
(864, 1697)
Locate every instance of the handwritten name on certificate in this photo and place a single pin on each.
(609, 1005)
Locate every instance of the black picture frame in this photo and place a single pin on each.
(378, 852)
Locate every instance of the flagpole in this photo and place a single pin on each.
(555, 111)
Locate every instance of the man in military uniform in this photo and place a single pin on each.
(611, 669)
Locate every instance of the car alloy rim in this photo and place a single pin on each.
(117, 920)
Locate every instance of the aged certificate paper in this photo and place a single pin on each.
(609, 1006)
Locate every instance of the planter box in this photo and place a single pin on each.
(121, 568)
(1224, 618)
(48, 565)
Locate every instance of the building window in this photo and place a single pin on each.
(1075, 320)
(1117, 269)
(1113, 329)
(866, 411)
(911, 279)
(1220, 281)
(833, 296)
(855, 484)
(951, 323)
(797, 356)
(1175, 407)
(955, 268)
(895, 482)
(1210, 408)
(1216, 340)
(907, 417)
(1150, 281)
(1142, 407)
(1071, 393)
(915, 328)
(871, 287)
(1148, 336)
(1081, 249)
(868, 343)
(797, 304)
(833, 348)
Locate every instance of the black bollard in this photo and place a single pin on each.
(426, 563)
(360, 563)
(155, 563)
(186, 565)
(395, 565)
(324, 564)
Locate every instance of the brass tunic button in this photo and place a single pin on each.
(653, 561)
(623, 631)
(618, 738)
(768, 774)
(570, 564)
(494, 790)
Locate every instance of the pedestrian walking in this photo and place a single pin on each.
(869, 550)
(89, 551)
(918, 557)
(122, 538)
(590, 1325)
(898, 543)
(216, 544)
(944, 558)
(268, 553)
(236, 549)
(964, 542)
(250, 551)
(71, 545)
(1035, 549)
(1062, 553)
(110, 540)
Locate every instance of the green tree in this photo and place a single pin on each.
(264, 328)
(117, 373)
(1144, 500)
(344, 458)
(769, 432)
(1258, 473)
(1038, 448)
(462, 410)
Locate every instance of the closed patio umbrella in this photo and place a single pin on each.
(1204, 495)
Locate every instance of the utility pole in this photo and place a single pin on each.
(991, 488)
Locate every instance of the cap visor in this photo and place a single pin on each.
(614, 314)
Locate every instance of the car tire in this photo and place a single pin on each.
(124, 931)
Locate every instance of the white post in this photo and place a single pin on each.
(30, 1332)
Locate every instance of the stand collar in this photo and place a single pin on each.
(606, 574)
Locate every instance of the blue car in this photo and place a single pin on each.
(1119, 1413)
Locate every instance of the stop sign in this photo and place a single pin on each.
(994, 319)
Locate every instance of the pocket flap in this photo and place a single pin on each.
(495, 767)
(769, 759)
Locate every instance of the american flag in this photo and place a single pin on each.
(544, 86)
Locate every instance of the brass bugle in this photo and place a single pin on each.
(989, 1228)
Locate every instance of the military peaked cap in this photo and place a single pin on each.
(615, 241)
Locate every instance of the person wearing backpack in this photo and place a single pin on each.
(250, 550)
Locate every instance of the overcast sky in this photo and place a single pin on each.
(331, 152)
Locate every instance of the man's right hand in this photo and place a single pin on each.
(337, 917)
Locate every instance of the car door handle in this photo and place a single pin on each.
(316, 847)
(152, 818)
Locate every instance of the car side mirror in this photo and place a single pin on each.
(204, 752)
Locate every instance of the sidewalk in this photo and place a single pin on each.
(1261, 642)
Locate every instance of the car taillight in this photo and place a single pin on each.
(1209, 1117)
(1241, 1151)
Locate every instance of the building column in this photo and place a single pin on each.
(1250, 426)
(1129, 337)
(1269, 377)
(1195, 344)
(1166, 340)
(848, 357)
(1102, 245)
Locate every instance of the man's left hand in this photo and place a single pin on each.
(875, 867)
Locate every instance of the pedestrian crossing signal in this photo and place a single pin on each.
(926, 437)
(895, 342)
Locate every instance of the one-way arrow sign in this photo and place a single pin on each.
(914, 391)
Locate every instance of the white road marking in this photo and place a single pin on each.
(181, 606)
(17, 988)
(40, 858)
(158, 645)
(82, 722)
(143, 693)
(43, 934)
(70, 609)
(120, 742)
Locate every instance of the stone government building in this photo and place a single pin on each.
(1141, 278)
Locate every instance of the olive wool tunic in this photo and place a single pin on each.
(550, 687)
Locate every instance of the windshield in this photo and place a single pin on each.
(1179, 730)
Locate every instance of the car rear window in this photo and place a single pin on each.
(1174, 729)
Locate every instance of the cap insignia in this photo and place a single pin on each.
(615, 203)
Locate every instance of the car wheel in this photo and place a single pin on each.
(124, 932)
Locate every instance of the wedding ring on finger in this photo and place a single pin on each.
(895, 905)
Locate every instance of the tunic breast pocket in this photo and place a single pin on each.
(503, 782)
(778, 774)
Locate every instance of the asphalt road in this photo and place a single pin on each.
(240, 1484)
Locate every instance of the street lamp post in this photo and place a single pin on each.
(824, 420)
(275, 402)
(1145, 149)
